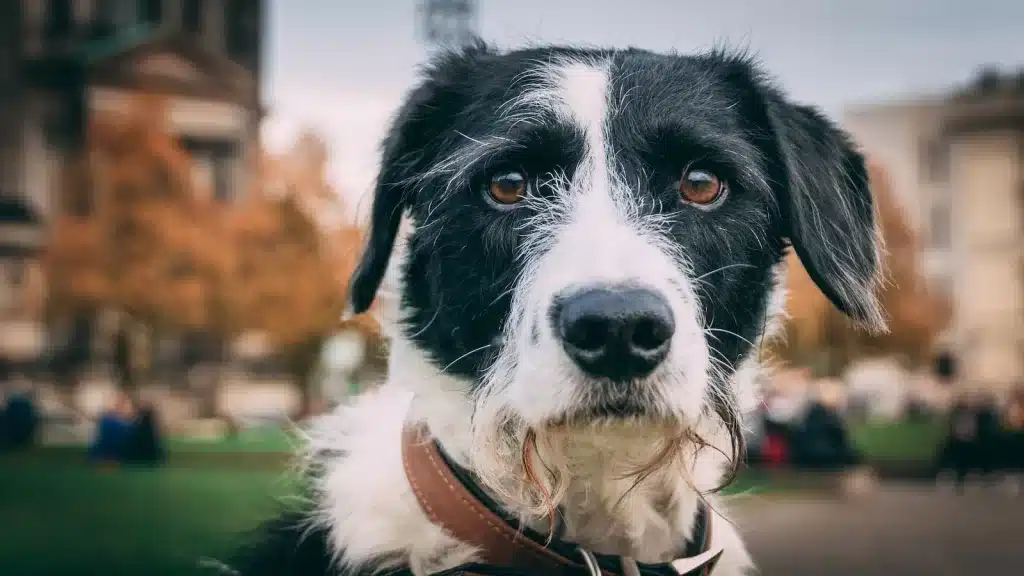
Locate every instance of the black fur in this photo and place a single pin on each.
(286, 546)
(794, 179)
(715, 109)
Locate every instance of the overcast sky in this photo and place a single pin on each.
(342, 66)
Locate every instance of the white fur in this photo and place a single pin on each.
(592, 232)
(375, 520)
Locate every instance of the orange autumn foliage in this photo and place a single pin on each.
(134, 234)
(138, 236)
(294, 258)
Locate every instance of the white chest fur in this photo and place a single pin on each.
(375, 520)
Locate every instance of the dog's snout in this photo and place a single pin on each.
(619, 333)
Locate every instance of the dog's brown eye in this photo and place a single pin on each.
(508, 188)
(701, 187)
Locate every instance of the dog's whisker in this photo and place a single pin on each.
(723, 268)
(467, 354)
(729, 332)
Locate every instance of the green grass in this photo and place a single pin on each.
(76, 519)
(60, 516)
(257, 439)
(899, 442)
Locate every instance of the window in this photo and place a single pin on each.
(55, 130)
(935, 162)
(151, 11)
(222, 165)
(127, 12)
(213, 164)
(192, 16)
(242, 30)
(5, 63)
(59, 19)
(941, 226)
(103, 22)
(111, 14)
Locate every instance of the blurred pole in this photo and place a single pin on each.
(447, 23)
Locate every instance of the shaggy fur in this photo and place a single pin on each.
(603, 138)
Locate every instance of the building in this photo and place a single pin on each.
(957, 162)
(63, 61)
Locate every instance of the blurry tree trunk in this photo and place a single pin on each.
(302, 363)
(211, 368)
(133, 354)
(70, 358)
(123, 359)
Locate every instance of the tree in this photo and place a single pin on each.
(817, 335)
(293, 263)
(135, 236)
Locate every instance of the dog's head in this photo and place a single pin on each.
(595, 233)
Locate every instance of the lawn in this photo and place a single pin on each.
(250, 440)
(75, 519)
(60, 516)
(906, 443)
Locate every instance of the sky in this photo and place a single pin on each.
(341, 67)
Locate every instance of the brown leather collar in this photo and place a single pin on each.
(453, 501)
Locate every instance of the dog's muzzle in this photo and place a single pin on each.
(617, 333)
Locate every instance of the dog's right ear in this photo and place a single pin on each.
(824, 196)
(417, 131)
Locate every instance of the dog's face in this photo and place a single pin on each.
(596, 232)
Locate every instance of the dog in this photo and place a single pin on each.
(590, 248)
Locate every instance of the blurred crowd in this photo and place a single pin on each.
(816, 437)
(127, 432)
(983, 439)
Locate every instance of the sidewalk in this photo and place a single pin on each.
(900, 529)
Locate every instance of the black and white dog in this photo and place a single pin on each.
(591, 257)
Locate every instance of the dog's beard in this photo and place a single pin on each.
(530, 467)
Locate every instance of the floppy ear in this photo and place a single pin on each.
(828, 209)
(408, 149)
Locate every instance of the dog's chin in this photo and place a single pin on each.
(613, 412)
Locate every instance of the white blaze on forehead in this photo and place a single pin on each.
(592, 214)
(582, 95)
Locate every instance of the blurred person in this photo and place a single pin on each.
(112, 431)
(957, 453)
(123, 359)
(916, 410)
(823, 441)
(3, 421)
(21, 420)
(776, 430)
(986, 453)
(775, 446)
(1012, 445)
(145, 444)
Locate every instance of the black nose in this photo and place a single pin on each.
(615, 333)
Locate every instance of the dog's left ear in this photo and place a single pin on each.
(416, 132)
(827, 208)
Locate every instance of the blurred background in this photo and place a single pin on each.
(182, 190)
